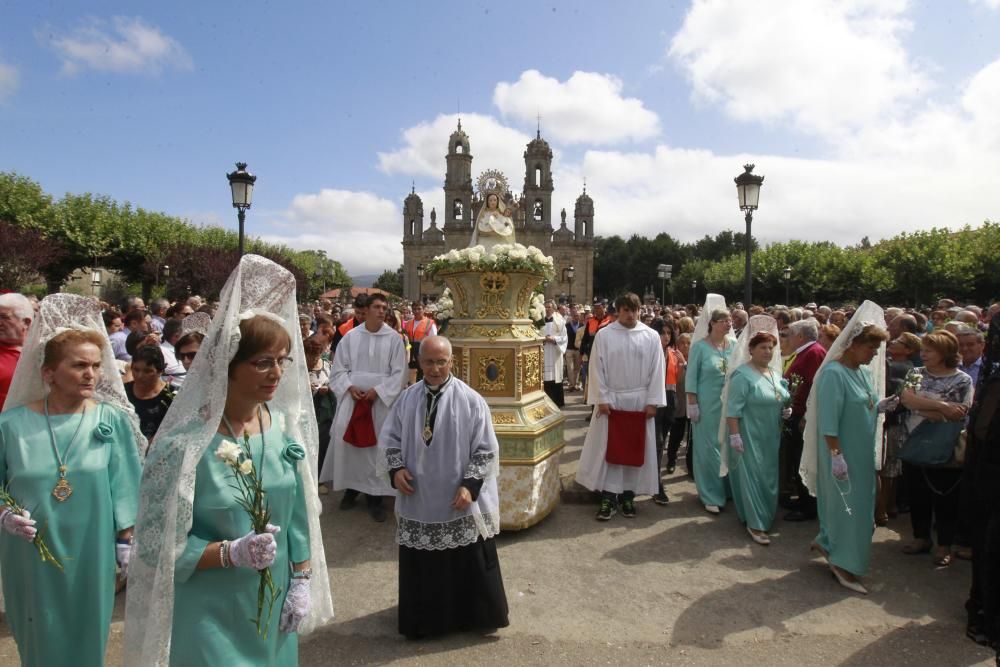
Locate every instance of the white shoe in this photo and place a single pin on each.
(855, 585)
(760, 538)
(712, 509)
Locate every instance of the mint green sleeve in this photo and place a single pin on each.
(739, 390)
(124, 468)
(298, 530)
(830, 399)
(693, 368)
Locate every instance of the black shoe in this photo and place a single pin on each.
(607, 510)
(671, 467)
(661, 498)
(377, 513)
(348, 501)
(975, 632)
(786, 502)
(628, 508)
(797, 515)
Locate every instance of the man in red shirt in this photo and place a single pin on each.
(808, 355)
(417, 329)
(16, 314)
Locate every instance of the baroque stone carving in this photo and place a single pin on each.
(493, 290)
(532, 370)
(492, 372)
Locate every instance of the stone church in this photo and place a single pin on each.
(532, 217)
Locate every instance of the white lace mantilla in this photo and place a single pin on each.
(448, 535)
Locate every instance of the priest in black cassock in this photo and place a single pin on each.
(441, 454)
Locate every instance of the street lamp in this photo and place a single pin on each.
(95, 281)
(694, 292)
(788, 276)
(663, 272)
(241, 183)
(748, 189)
(420, 283)
(567, 276)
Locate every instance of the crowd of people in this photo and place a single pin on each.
(124, 427)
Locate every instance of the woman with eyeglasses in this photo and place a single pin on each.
(193, 597)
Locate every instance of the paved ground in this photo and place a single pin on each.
(673, 586)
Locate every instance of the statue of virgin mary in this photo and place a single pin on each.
(493, 225)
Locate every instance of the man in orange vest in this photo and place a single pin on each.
(417, 329)
(360, 312)
(598, 321)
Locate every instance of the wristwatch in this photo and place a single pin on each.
(302, 574)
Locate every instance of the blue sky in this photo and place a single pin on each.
(866, 116)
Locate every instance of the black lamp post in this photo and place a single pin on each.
(241, 183)
(95, 281)
(663, 272)
(788, 276)
(748, 189)
(420, 283)
(567, 277)
(694, 292)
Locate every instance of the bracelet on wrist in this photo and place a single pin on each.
(835, 452)
(224, 553)
(302, 574)
(123, 541)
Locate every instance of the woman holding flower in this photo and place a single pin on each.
(70, 452)
(229, 506)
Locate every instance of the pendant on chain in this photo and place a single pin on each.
(62, 490)
(428, 434)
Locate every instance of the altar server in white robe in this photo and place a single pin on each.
(555, 349)
(370, 364)
(626, 374)
(439, 449)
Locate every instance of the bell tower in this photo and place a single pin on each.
(458, 218)
(538, 185)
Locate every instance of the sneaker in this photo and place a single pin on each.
(323, 489)
(661, 499)
(607, 510)
(628, 508)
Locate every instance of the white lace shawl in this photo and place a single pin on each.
(166, 494)
(712, 302)
(868, 313)
(740, 356)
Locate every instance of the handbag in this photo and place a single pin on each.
(361, 429)
(933, 444)
(626, 438)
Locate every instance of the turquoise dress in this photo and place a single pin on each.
(62, 618)
(846, 406)
(213, 609)
(757, 402)
(706, 373)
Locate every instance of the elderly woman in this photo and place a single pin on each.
(193, 595)
(703, 382)
(843, 442)
(945, 395)
(755, 402)
(69, 451)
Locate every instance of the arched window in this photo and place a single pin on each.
(457, 209)
(413, 227)
(538, 176)
(458, 148)
(537, 212)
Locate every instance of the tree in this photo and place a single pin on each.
(25, 254)
(390, 281)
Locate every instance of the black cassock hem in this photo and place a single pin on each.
(452, 590)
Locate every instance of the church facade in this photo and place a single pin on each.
(572, 250)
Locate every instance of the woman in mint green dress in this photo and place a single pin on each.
(845, 415)
(72, 461)
(706, 373)
(754, 408)
(193, 591)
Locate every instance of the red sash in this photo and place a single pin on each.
(626, 438)
(361, 429)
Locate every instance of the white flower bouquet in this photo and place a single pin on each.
(251, 496)
(503, 257)
(536, 309)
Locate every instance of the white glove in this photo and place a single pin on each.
(122, 554)
(694, 414)
(888, 404)
(838, 466)
(786, 413)
(254, 551)
(296, 607)
(736, 442)
(20, 525)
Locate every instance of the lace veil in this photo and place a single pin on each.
(712, 302)
(740, 356)
(196, 323)
(868, 313)
(166, 495)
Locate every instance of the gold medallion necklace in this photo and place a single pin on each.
(62, 490)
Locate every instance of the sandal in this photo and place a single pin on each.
(943, 558)
(917, 547)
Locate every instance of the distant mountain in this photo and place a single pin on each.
(365, 280)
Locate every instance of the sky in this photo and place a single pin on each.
(866, 117)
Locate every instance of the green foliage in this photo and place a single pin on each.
(390, 281)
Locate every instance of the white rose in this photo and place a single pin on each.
(481, 249)
(228, 452)
(246, 467)
(453, 256)
(520, 246)
(475, 256)
(491, 258)
(518, 254)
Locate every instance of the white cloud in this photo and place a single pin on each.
(990, 4)
(587, 108)
(828, 66)
(123, 45)
(492, 145)
(358, 229)
(9, 81)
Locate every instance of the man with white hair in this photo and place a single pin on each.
(971, 346)
(554, 349)
(807, 357)
(740, 319)
(16, 314)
